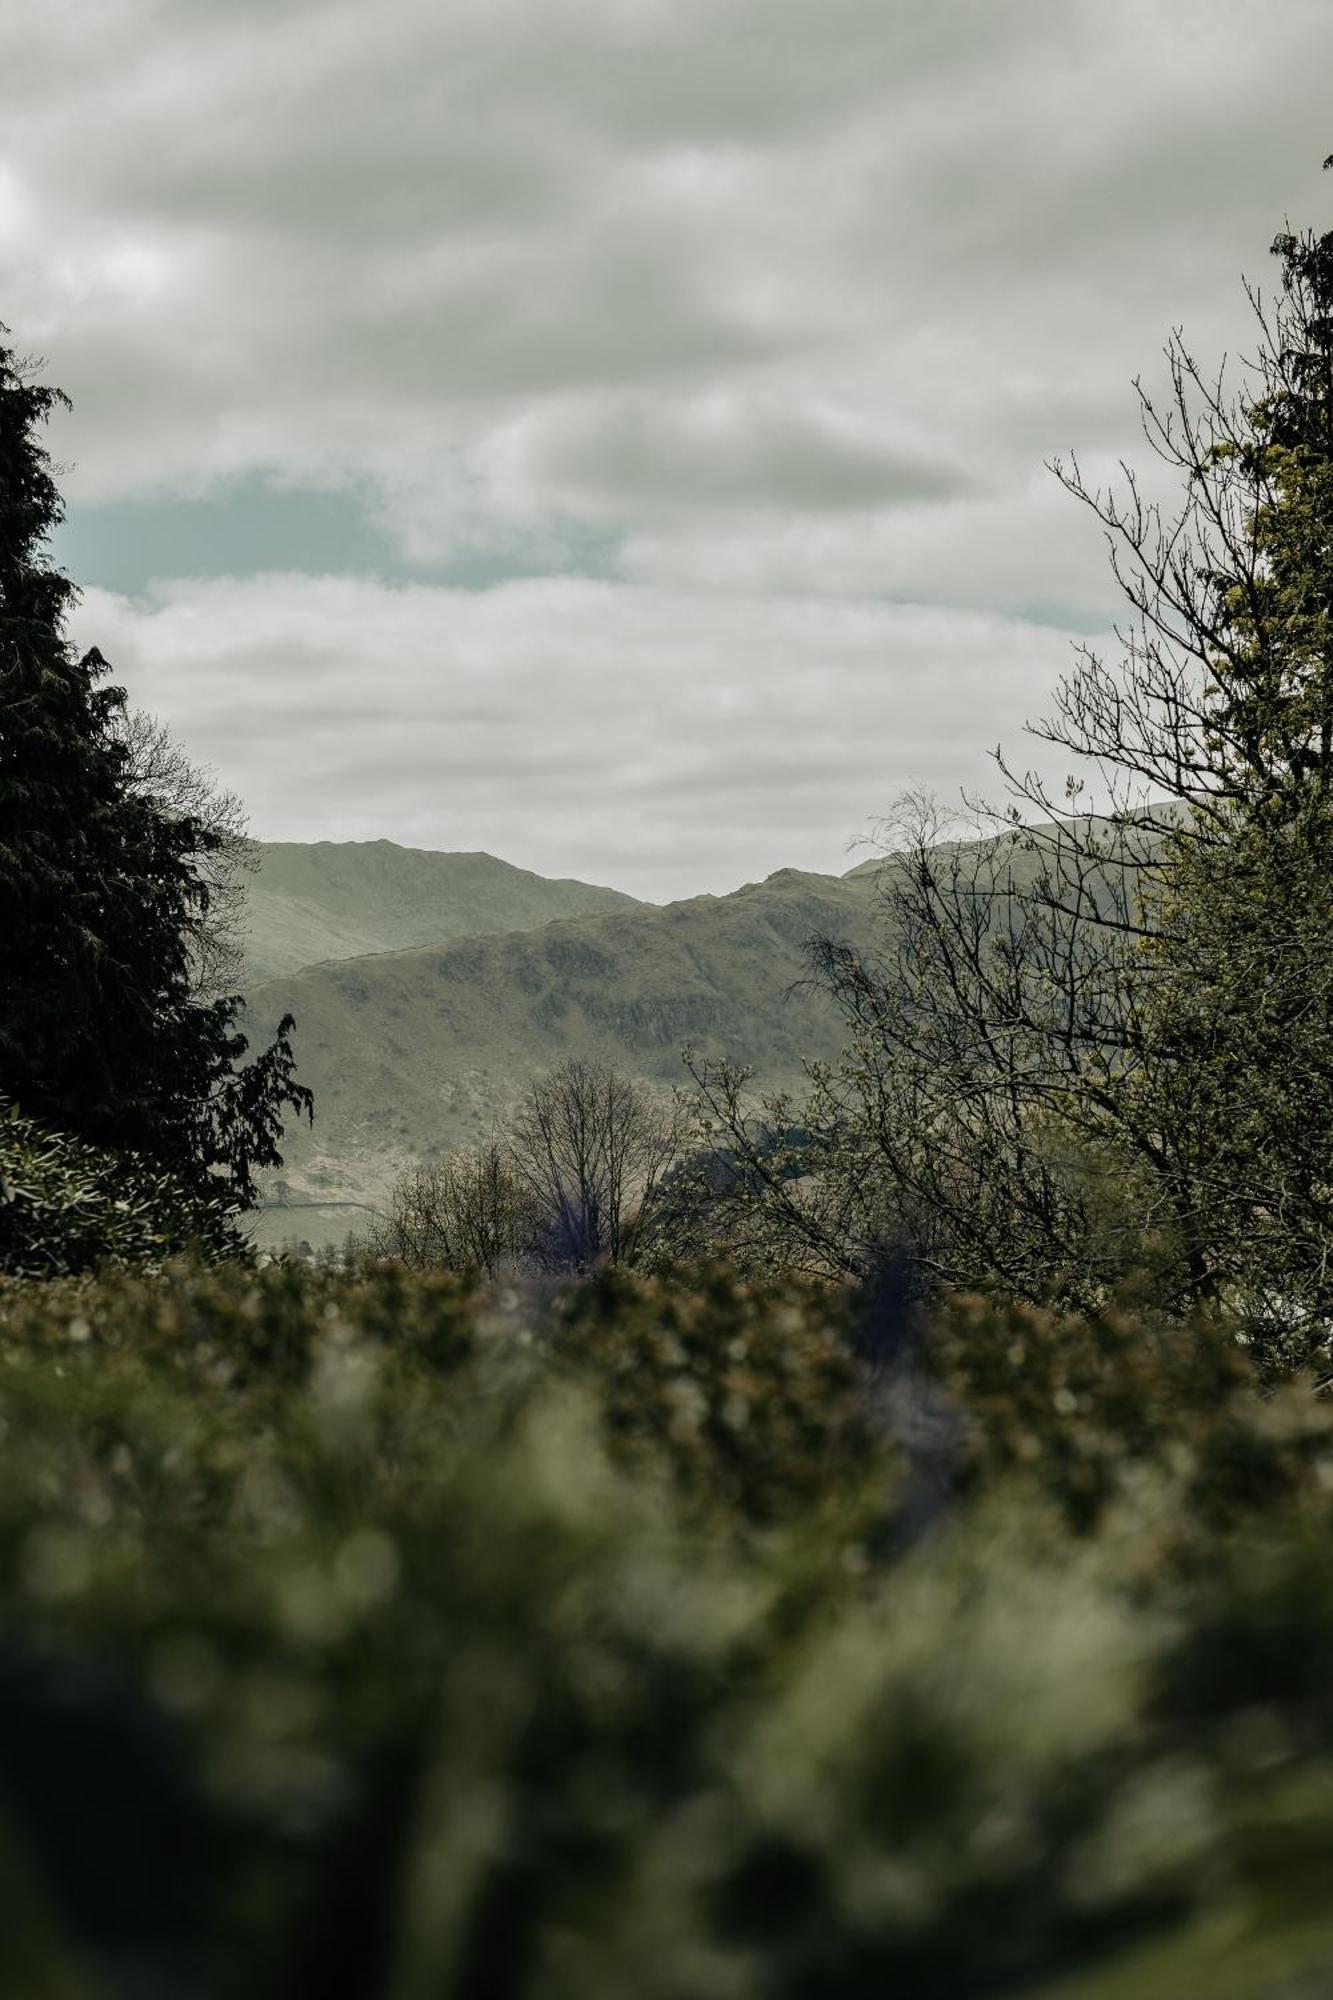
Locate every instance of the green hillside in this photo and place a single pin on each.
(326, 899)
(413, 1051)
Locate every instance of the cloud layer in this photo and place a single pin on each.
(757, 316)
(671, 742)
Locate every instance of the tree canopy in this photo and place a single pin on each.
(105, 891)
(1093, 1042)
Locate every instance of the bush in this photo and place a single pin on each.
(750, 1393)
(1088, 1408)
(66, 1208)
(382, 1634)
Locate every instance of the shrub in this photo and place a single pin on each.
(383, 1634)
(1087, 1407)
(66, 1207)
(749, 1392)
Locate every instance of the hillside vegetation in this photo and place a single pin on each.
(412, 1051)
(306, 902)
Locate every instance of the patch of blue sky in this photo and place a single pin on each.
(253, 527)
(1086, 620)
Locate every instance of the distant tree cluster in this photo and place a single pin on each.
(573, 1179)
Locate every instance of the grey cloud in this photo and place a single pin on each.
(1023, 543)
(342, 241)
(668, 741)
(755, 453)
(766, 308)
(635, 71)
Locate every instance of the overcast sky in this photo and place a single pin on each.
(611, 432)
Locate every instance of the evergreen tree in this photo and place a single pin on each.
(103, 1033)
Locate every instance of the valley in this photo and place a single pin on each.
(413, 1050)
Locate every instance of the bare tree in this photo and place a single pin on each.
(946, 1124)
(471, 1212)
(157, 767)
(591, 1147)
(1088, 1039)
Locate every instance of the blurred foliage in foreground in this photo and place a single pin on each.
(382, 1635)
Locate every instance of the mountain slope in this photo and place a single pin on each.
(308, 902)
(412, 1051)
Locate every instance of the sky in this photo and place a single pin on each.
(613, 433)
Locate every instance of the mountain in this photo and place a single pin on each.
(337, 899)
(412, 1051)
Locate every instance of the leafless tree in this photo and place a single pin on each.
(591, 1147)
(158, 768)
(945, 1124)
(1089, 1034)
(469, 1212)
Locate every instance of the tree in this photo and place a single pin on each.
(737, 1183)
(470, 1212)
(105, 895)
(590, 1147)
(157, 768)
(1091, 1042)
(66, 1208)
(947, 1126)
(579, 1175)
